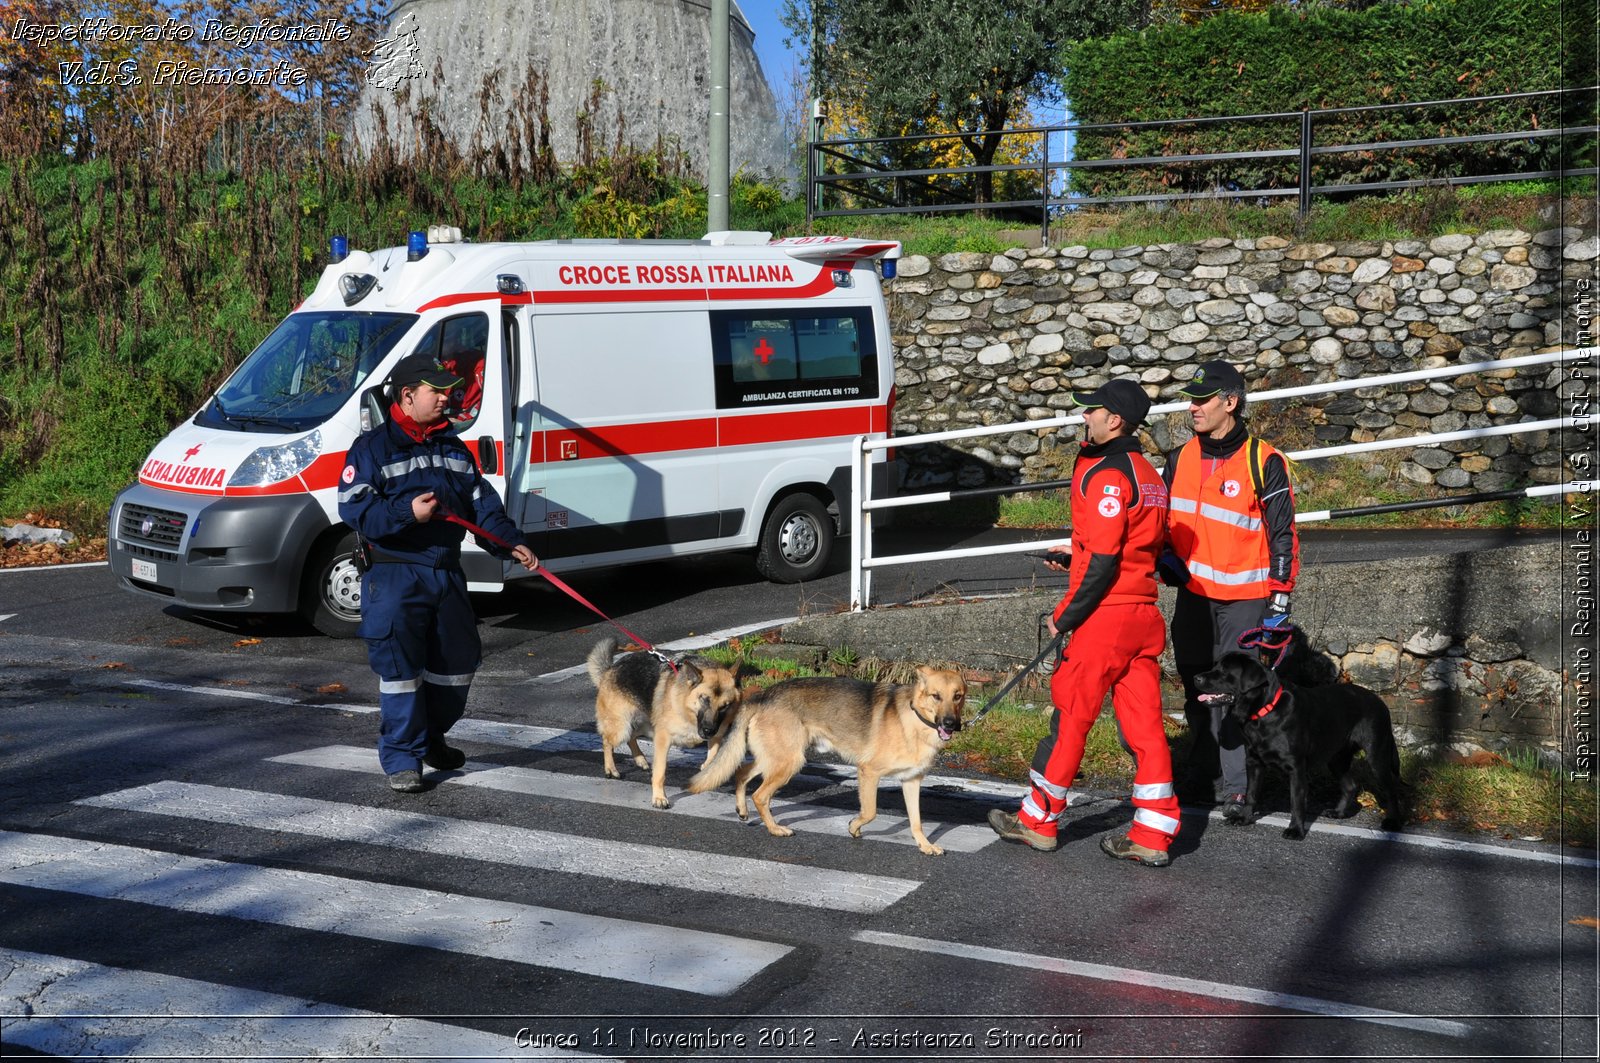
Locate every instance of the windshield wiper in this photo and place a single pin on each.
(250, 419)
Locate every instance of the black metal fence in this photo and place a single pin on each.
(843, 179)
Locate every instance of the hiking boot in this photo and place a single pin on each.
(406, 782)
(1010, 828)
(1125, 848)
(444, 758)
(1233, 809)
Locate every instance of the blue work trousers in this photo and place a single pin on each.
(422, 641)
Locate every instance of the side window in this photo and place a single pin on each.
(781, 357)
(460, 345)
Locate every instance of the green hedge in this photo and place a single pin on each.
(1291, 60)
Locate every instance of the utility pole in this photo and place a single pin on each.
(717, 176)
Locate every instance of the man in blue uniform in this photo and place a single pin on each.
(402, 478)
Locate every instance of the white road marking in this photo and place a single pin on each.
(6, 616)
(599, 790)
(516, 846)
(245, 695)
(554, 739)
(1167, 983)
(694, 642)
(1425, 841)
(689, 960)
(70, 1008)
(560, 740)
(52, 568)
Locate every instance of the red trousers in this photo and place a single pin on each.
(1115, 651)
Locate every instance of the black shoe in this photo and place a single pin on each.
(406, 782)
(1233, 810)
(1009, 827)
(444, 758)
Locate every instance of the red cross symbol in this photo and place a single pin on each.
(192, 451)
(764, 351)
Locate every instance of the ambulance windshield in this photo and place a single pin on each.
(305, 371)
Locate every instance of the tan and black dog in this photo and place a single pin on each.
(640, 694)
(886, 730)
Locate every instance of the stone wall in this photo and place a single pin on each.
(995, 339)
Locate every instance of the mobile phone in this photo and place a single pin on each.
(1045, 555)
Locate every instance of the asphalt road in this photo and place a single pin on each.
(197, 857)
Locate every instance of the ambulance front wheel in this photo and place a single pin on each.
(796, 541)
(330, 596)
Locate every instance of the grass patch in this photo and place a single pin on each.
(1413, 214)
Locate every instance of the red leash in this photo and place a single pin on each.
(561, 586)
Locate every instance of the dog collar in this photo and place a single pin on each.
(1269, 706)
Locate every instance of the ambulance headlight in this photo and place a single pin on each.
(274, 464)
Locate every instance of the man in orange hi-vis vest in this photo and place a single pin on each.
(1118, 527)
(1233, 553)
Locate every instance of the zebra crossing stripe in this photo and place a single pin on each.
(1168, 983)
(66, 1007)
(523, 847)
(561, 740)
(598, 790)
(689, 960)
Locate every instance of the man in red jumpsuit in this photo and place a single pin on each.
(1119, 523)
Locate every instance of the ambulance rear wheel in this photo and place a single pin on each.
(796, 541)
(330, 596)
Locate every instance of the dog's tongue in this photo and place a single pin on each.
(1208, 698)
(945, 734)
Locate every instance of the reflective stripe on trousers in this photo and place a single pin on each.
(1114, 651)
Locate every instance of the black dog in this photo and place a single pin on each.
(1292, 728)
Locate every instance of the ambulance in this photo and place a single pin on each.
(631, 400)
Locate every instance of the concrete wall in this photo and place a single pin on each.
(1463, 647)
(654, 55)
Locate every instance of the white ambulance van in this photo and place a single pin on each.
(630, 399)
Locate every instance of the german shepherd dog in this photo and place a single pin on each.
(684, 708)
(1291, 728)
(886, 730)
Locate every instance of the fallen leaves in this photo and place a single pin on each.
(1585, 920)
(111, 665)
(332, 688)
(242, 643)
(31, 555)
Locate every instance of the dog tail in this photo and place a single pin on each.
(599, 662)
(720, 768)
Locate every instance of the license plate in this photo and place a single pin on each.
(144, 570)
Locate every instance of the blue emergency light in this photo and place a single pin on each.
(416, 245)
(339, 248)
(888, 269)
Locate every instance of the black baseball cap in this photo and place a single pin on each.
(1211, 378)
(422, 369)
(1122, 397)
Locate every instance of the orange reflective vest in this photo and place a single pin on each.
(1216, 523)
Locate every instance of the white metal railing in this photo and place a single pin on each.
(862, 561)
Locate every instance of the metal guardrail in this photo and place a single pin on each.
(862, 561)
(868, 179)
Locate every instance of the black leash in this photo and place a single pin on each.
(1054, 646)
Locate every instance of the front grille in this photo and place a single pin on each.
(158, 528)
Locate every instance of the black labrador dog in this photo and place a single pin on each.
(1292, 728)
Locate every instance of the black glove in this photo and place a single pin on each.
(1171, 569)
